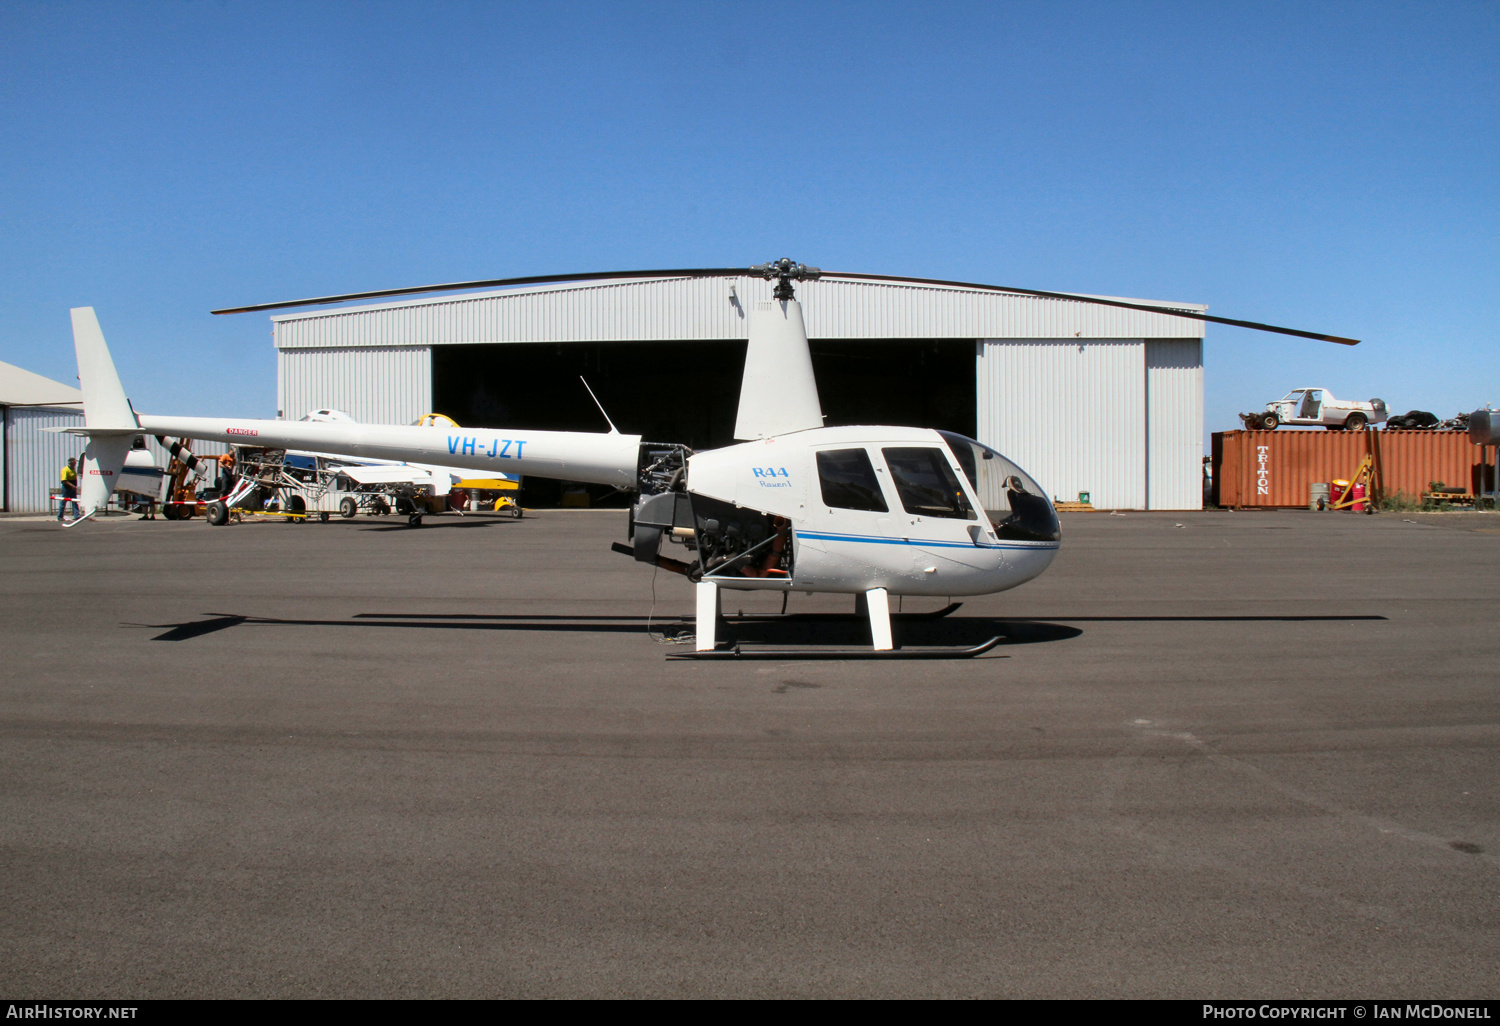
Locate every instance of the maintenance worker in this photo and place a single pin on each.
(227, 476)
(69, 492)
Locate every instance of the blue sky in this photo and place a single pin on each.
(1328, 166)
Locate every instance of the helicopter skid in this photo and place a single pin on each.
(736, 652)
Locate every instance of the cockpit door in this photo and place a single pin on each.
(848, 541)
(938, 518)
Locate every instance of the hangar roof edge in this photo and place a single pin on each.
(21, 387)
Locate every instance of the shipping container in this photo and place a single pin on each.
(1274, 469)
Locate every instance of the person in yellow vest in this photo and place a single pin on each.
(69, 492)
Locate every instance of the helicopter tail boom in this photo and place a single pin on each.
(110, 424)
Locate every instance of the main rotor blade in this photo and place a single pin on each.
(536, 279)
(734, 272)
(1255, 325)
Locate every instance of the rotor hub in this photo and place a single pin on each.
(784, 272)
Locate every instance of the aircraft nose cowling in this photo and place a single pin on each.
(1025, 563)
(952, 571)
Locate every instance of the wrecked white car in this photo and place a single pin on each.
(1317, 406)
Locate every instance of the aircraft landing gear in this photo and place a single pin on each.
(874, 607)
(414, 520)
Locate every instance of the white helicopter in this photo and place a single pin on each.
(794, 507)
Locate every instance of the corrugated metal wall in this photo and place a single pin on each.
(34, 457)
(1071, 412)
(702, 309)
(1277, 468)
(386, 385)
(1174, 423)
(1077, 418)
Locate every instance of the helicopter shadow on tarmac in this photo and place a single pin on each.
(799, 629)
(952, 632)
(938, 631)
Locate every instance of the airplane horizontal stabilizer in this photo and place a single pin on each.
(87, 432)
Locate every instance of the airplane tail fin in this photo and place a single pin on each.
(778, 393)
(108, 420)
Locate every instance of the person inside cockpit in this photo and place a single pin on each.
(1026, 509)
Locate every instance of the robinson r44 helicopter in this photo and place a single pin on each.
(871, 511)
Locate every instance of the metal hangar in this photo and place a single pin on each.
(1089, 399)
(30, 455)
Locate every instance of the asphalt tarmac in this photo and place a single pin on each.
(1220, 755)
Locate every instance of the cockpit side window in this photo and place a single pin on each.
(926, 483)
(848, 480)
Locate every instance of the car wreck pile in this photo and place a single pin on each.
(1317, 407)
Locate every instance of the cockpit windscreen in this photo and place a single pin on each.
(1015, 504)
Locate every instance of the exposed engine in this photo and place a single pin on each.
(661, 506)
(730, 541)
(734, 541)
(661, 468)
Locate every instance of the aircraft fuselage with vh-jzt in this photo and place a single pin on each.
(794, 507)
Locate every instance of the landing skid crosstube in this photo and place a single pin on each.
(935, 614)
(873, 604)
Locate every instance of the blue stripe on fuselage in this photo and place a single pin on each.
(869, 539)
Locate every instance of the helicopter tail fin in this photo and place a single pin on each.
(109, 422)
(104, 404)
(778, 393)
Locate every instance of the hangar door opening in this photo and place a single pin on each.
(689, 391)
(903, 382)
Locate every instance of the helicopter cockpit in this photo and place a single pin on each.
(1015, 504)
